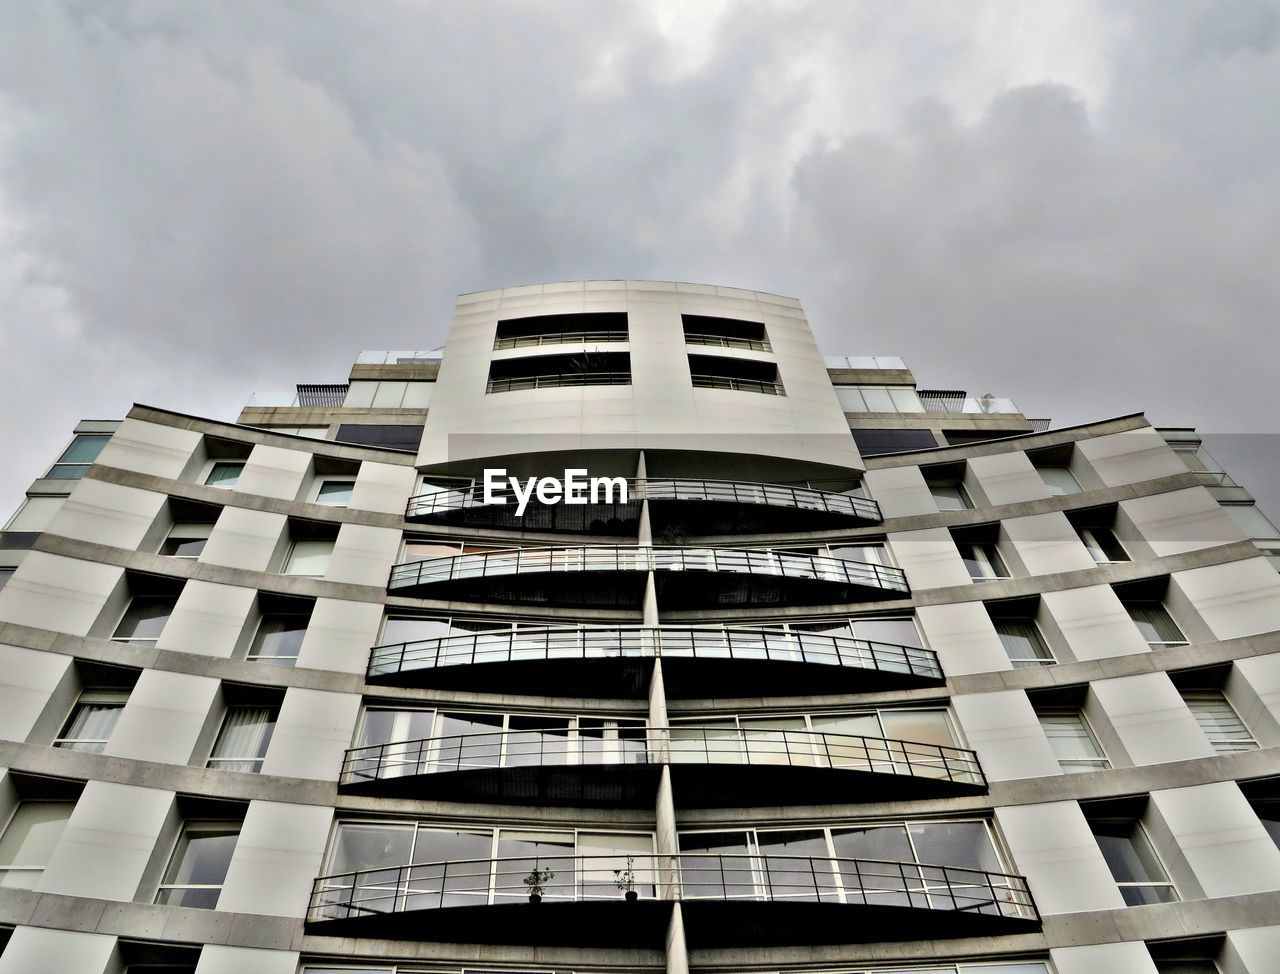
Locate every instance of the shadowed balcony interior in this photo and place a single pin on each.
(561, 329)
(724, 332)
(738, 374)
(589, 368)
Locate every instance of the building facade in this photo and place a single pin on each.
(831, 674)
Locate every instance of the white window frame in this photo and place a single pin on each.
(33, 870)
(1099, 763)
(90, 697)
(1221, 745)
(316, 497)
(216, 760)
(195, 827)
(199, 530)
(293, 548)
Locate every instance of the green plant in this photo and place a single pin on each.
(537, 879)
(625, 879)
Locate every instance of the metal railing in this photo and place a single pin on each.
(560, 379)
(728, 341)
(681, 744)
(684, 876)
(956, 401)
(766, 386)
(727, 491)
(515, 561)
(640, 642)
(558, 338)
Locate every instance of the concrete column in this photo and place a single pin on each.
(650, 609)
(39, 949)
(1003, 728)
(216, 959)
(1123, 958)
(276, 859)
(666, 840)
(1210, 839)
(1053, 846)
(164, 717)
(108, 842)
(659, 735)
(677, 950)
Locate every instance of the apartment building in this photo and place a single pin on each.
(832, 674)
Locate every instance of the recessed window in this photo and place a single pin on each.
(977, 547)
(1155, 623)
(279, 638)
(144, 619)
(242, 741)
(1133, 862)
(1072, 741)
(949, 495)
(92, 720)
(199, 865)
(5, 575)
(186, 539)
(76, 459)
(739, 375)
(1186, 967)
(335, 492)
(224, 473)
(309, 557)
(35, 515)
(1059, 480)
(28, 841)
(1219, 721)
(724, 332)
(1103, 545)
(1021, 638)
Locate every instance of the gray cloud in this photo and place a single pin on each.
(1074, 207)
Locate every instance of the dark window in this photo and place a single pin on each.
(724, 332)
(603, 326)
(743, 375)
(387, 437)
(1133, 862)
(591, 368)
(76, 458)
(877, 442)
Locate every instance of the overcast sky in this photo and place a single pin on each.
(1073, 204)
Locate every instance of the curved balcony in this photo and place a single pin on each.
(710, 767)
(614, 576)
(717, 507)
(697, 662)
(727, 900)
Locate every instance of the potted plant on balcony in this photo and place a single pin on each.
(625, 880)
(536, 882)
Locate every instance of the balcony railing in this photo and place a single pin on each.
(765, 386)
(718, 491)
(657, 745)
(687, 876)
(637, 642)
(728, 341)
(560, 379)
(558, 338)
(954, 401)
(632, 558)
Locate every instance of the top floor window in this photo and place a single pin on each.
(76, 459)
(224, 473)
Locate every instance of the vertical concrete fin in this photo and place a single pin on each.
(659, 735)
(650, 617)
(667, 844)
(677, 952)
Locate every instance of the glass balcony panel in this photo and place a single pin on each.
(778, 741)
(708, 742)
(521, 853)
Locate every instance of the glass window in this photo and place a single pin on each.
(716, 865)
(1073, 742)
(309, 557)
(950, 495)
(199, 865)
(28, 841)
(407, 629)
(1155, 624)
(1059, 480)
(1103, 545)
(1219, 721)
(242, 742)
(92, 720)
(279, 638)
(1251, 521)
(335, 492)
(224, 473)
(144, 619)
(1022, 641)
(1133, 863)
(897, 632)
(35, 514)
(76, 458)
(186, 539)
(981, 560)
(964, 844)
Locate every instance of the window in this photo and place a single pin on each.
(35, 514)
(28, 841)
(1072, 741)
(949, 495)
(76, 458)
(186, 539)
(878, 442)
(1022, 640)
(1133, 862)
(1102, 545)
(1219, 721)
(1155, 623)
(5, 575)
(242, 742)
(1059, 480)
(879, 399)
(981, 559)
(335, 491)
(309, 557)
(224, 473)
(144, 619)
(279, 638)
(92, 720)
(389, 437)
(199, 865)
